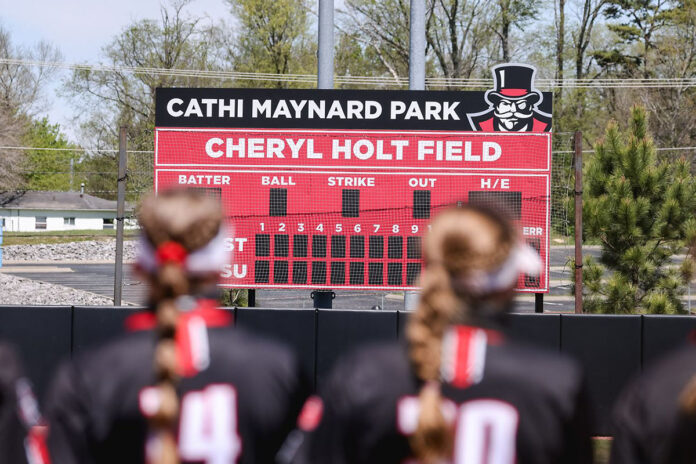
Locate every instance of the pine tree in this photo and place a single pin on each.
(642, 212)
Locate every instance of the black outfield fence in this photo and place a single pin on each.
(612, 349)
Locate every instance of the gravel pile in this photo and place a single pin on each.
(18, 291)
(73, 251)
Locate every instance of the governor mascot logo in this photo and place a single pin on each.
(512, 103)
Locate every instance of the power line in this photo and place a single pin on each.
(98, 150)
(656, 149)
(599, 83)
(151, 152)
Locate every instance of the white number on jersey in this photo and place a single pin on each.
(208, 426)
(486, 429)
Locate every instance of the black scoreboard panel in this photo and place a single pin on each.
(328, 263)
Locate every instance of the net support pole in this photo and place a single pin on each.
(416, 81)
(325, 71)
(538, 302)
(578, 222)
(120, 213)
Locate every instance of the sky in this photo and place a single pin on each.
(80, 28)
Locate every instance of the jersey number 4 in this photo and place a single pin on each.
(208, 426)
(486, 429)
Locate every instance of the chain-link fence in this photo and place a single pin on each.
(66, 224)
(76, 227)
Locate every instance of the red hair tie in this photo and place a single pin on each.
(171, 252)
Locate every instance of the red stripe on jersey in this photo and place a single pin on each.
(311, 414)
(191, 336)
(462, 359)
(144, 320)
(207, 309)
(36, 447)
(464, 354)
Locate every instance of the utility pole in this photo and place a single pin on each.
(416, 81)
(120, 213)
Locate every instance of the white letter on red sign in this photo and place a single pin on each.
(210, 150)
(487, 155)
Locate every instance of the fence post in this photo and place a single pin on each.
(120, 213)
(578, 222)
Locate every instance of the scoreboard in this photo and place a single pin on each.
(318, 204)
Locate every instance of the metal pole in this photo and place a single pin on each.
(120, 213)
(538, 302)
(416, 55)
(325, 71)
(578, 222)
(416, 81)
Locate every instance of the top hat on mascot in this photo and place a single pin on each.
(513, 82)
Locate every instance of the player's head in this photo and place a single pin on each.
(181, 253)
(473, 259)
(182, 245)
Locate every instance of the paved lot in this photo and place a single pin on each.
(99, 278)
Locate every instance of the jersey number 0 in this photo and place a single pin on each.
(486, 429)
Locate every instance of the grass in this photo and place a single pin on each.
(61, 236)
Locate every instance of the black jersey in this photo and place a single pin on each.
(238, 410)
(649, 426)
(511, 404)
(21, 435)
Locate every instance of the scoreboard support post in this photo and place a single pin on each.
(538, 302)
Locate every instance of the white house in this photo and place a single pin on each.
(38, 211)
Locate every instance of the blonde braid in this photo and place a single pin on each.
(461, 240)
(191, 220)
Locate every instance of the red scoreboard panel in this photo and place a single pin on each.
(341, 208)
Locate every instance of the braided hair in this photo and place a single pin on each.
(462, 240)
(180, 221)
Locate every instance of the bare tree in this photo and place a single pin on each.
(273, 36)
(176, 41)
(383, 27)
(582, 37)
(21, 83)
(109, 99)
(458, 35)
(11, 160)
(512, 13)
